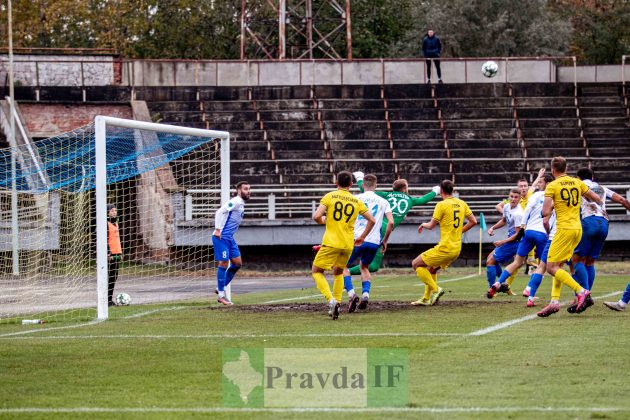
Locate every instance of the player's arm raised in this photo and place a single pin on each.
(368, 227)
(418, 201)
(471, 221)
(534, 185)
(388, 230)
(358, 175)
(320, 215)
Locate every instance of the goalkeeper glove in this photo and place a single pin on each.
(436, 189)
(358, 175)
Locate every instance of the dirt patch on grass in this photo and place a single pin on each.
(374, 306)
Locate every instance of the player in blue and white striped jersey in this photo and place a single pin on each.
(226, 222)
(535, 234)
(594, 229)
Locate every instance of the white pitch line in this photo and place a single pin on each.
(231, 336)
(293, 298)
(19, 410)
(456, 279)
(509, 323)
(153, 311)
(39, 330)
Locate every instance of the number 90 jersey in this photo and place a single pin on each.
(567, 193)
(450, 214)
(342, 209)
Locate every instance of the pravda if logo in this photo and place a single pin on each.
(311, 377)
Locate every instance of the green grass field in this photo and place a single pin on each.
(468, 357)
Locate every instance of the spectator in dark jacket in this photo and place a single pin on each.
(431, 49)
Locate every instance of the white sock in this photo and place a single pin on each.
(622, 303)
(529, 289)
(221, 294)
(366, 295)
(351, 293)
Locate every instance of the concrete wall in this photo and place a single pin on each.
(102, 71)
(47, 120)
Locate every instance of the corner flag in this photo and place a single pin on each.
(482, 228)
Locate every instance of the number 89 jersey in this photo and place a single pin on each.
(450, 214)
(567, 193)
(342, 209)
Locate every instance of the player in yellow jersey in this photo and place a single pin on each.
(338, 210)
(450, 214)
(564, 195)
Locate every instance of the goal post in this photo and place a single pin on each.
(101, 125)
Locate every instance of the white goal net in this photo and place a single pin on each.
(59, 252)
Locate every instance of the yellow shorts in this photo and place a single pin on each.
(439, 256)
(327, 257)
(563, 245)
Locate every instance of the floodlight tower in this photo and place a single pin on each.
(296, 29)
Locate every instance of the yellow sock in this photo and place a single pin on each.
(512, 277)
(427, 292)
(556, 286)
(322, 285)
(338, 287)
(426, 278)
(566, 278)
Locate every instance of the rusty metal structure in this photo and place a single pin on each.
(296, 29)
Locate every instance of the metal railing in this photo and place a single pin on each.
(293, 203)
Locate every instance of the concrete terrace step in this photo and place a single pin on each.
(548, 152)
(543, 102)
(476, 113)
(549, 122)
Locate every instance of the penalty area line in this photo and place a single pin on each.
(39, 330)
(507, 324)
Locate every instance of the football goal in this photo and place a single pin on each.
(105, 210)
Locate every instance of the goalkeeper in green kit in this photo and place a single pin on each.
(401, 204)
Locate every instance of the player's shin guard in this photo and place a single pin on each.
(426, 278)
(338, 287)
(590, 271)
(231, 272)
(365, 287)
(625, 298)
(322, 285)
(556, 287)
(581, 275)
(534, 284)
(491, 275)
(221, 272)
(347, 283)
(566, 278)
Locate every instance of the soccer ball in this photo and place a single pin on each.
(489, 69)
(123, 299)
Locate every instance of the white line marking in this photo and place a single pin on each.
(39, 330)
(508, 324)
(229, 336)
(455, 279)
(313, 410)
(293, 298)
(153, 311)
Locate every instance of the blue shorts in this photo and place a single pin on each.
(543, 256)
(532, 239)
(366, 252)
(505, 252)
(594, 233)
(225, 248)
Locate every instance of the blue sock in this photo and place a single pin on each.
(504, 276)
(221, 278)
(491, 274)
(626, 295)
(347, 283)
(590, 270)
(534, 283)
(498, 269)
(580, 275)
(231, 272)
(366, 286)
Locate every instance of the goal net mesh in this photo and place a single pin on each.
(166, 247)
